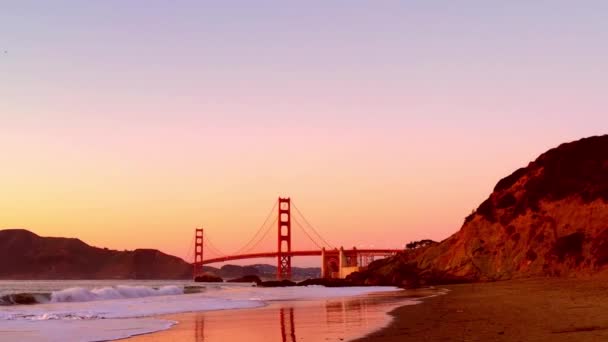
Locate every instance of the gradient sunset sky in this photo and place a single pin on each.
(129, 123)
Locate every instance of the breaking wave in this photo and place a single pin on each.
(25, 298)
(79, 294)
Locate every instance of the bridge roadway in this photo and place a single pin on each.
(297, 253)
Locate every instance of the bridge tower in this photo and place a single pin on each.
(284, 239)
(198, 253)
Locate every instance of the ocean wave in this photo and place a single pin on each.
(25, 298)
(80, 294)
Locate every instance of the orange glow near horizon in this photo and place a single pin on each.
(112, 190)
(385, 123)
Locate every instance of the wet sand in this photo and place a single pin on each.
(547, 309)
(336, 319)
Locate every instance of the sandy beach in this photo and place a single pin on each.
(519, 310)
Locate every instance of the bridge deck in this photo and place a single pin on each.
(297, 253)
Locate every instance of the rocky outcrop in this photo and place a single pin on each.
(208, 278)
(246, 279)
(25, 255)
(277, 283)
(549, 218)
(327, 282)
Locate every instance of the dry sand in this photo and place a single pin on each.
(547, 309)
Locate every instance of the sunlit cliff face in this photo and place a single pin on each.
(546, 219)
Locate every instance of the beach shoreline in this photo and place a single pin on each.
(332, 319)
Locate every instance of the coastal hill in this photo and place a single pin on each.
(549, 218)
(25, 255)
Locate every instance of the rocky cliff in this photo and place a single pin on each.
(25, 255)
(549, 218)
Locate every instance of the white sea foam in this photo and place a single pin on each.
(75, 314)
(79, 294)
(80, 331)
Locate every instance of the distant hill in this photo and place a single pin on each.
(264, 271)
(25, 255)
(549, 218)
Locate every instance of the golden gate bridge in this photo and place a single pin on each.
(335, 262)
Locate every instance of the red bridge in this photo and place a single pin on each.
(335, 262)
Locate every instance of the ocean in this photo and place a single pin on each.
(95, 310)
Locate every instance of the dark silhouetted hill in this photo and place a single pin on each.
(25, 255)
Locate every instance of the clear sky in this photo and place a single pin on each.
(128, 124)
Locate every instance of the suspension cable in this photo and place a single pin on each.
(209, 244)
(263, 236)
(211, 250)
(247, 245)
(310, 237)
(311, 226)
(190, 250)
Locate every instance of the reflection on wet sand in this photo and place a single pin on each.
(288, 328)
(328, 320)
(199, 327)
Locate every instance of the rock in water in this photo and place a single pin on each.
(277, 283)
(208, 278)
(247, 279)
(326, 282)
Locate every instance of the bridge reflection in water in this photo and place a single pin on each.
(321, 320)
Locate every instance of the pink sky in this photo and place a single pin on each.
(384, 124)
